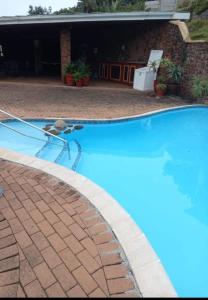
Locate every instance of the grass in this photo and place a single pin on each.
(198, 29)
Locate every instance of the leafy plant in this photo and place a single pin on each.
(77, 76)
(175, 73)
(161, 79)
(161, 86)
(199, 87)
(70, 68)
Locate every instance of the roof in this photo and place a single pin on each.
(95, 17)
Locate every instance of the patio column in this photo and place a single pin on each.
(65, 43)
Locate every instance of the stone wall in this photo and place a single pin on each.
(196, 64)
(65, 44)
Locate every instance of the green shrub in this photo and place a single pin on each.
(200, 87)
(198, 29)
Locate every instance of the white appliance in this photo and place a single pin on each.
(144, 77)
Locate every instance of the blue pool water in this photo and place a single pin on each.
(157, 169)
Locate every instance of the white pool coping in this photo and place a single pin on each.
(148, 271)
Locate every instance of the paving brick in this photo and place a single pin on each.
(69, 259)
(57, 243)
(46, 228)
(116, 271)
(9, 263)
(30, 226)
(34, 290)
(93, 221)
(47, 197)
(40, 241)
(69, 209)
(76, 292)
(87, 283)
(26, 273)
(14, 187)
(9, 251)
(98, 229)
(108, 247)
(99, 277)
(27, 188)
(103, 238)
(120, 285)
(111, 259)
(20, 292)
(8, 291)
(28, 205)
(23, 239)
(66, 218)
(39, 189)
(64, 277)
(35, 197)
(16, 225)
(10, 277)
(9, 195)
(73, 244)
(6, 241)
(77, 231)
(90, 246)
(51, 217)
(42, 206)
(22, 214)
(4, 224)
(79, 221)
(56, 207)
(61, 229)
(21, 195)
(44, 275)
(98, 293)
(88, 261)
(55, 291)
(36, 215)
(33, 255)
(8, 213)
(51, 257)
(15, 204)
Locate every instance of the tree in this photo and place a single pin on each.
(39, 10)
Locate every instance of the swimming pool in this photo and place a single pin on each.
(155, 167)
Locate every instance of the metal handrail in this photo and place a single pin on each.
(31, 125)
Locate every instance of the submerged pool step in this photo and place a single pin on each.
(75, 154)
(50, 151)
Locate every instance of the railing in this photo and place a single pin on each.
(35, 127)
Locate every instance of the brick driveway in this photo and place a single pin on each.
(54, 243)
(48, 100)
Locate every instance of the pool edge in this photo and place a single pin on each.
(148, 271)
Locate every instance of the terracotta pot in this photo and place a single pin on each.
(79, 83)
(69, 79)
(86, 80)
(160, 92)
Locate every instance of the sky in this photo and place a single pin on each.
(20, 7)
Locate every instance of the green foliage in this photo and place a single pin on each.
(70, 68)
(172, 71)
(77, 76)
(198, 29)
(92, 6)
(39, 10)
(194, 6)
(161, 86)
(200, 87)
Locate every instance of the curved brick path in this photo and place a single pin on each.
(54, 243)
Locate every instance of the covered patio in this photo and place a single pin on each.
(113, 44)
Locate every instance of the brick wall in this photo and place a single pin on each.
(65, 44)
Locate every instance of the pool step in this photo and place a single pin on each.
(50, 151)
(75, 155)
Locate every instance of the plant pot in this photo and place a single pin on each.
(79, 83)
(173, 89)
(86, 80)
(160, 92)
(69, 79)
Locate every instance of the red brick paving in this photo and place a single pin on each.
(54, 243)
(34, 101)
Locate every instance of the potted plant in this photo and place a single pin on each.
(78, 78)
(199, 88)
(69, 71)
(174, 74)
(160, 89)
(86, 75)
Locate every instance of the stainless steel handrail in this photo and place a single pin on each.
(31, 125)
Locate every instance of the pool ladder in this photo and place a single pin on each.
(65, 142)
